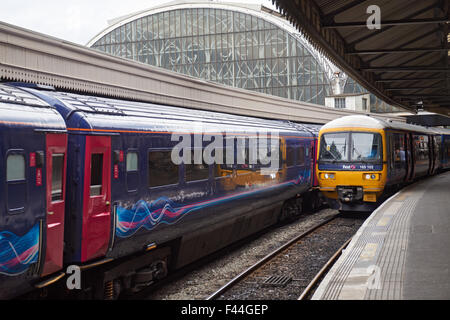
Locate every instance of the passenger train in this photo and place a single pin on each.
(90, 182)
(362, 159)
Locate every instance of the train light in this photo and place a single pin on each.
(371, 176)
(328, 176)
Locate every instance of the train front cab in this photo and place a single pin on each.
(351, 167)
(360, 182)
(33, 149)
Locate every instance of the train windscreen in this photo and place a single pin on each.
(351, 147)
(333, 147)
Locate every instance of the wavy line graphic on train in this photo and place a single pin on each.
(165, 211)
(18, 253)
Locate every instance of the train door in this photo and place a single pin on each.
(409, 157)
(56, 151)
(97, 198)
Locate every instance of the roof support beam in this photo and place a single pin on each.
(413, 88)
(404, 22)
(329, 17)
(411, 79)
(406, 69)
(419, 37)
(370, 35)
(362, 52)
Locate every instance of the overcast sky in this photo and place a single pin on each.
(77, 20)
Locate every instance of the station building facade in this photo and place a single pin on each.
(243, 46)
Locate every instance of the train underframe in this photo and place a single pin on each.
(105, 279)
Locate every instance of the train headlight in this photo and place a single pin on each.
(372, 176)
(328, 176)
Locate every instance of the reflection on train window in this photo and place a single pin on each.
(333, 147)
(194, 172)
(399, 152)
(16, 191)
(96, 174)
(57, 176)
(366, 146)
(15, 167)
(273, 157)
(161, 170)
(290, 156)
(301, 156)
(421, 149)
(132, 161)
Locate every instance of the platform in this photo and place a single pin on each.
(402, 252)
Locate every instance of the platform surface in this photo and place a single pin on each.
(402, 251)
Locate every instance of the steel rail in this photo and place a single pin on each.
(324, 269)
(266, 259)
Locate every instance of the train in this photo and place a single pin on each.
(362, 159)
(125, 192)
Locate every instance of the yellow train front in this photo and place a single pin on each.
(362, 159)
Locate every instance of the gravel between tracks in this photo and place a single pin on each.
(201, 283)
(301, 263)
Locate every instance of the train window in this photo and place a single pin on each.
(366, 146)
(301, 155)
(421, 149)
(16, 182)
(96, 174)
(399, 150)
(290, 156)
(161, 170)
(57, 176)
(15, 167)
(333, 147)
(132, 161)
(194, 172)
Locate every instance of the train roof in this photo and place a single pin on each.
(19, 108)
(370, 122)
(100, 113)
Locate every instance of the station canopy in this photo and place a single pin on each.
(402, 57)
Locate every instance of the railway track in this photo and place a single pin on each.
(270, 276)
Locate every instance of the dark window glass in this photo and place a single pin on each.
(96, 174)
(161, 170)
(196, 172)
(290, 156)
(301, 155)
(57, 176)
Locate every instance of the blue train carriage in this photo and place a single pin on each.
(442, 137)
(363, 159)
(128, 198)
(33, 148)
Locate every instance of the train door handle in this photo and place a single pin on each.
(50, 213)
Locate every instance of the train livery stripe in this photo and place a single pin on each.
(17, 253)
(165, 211)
